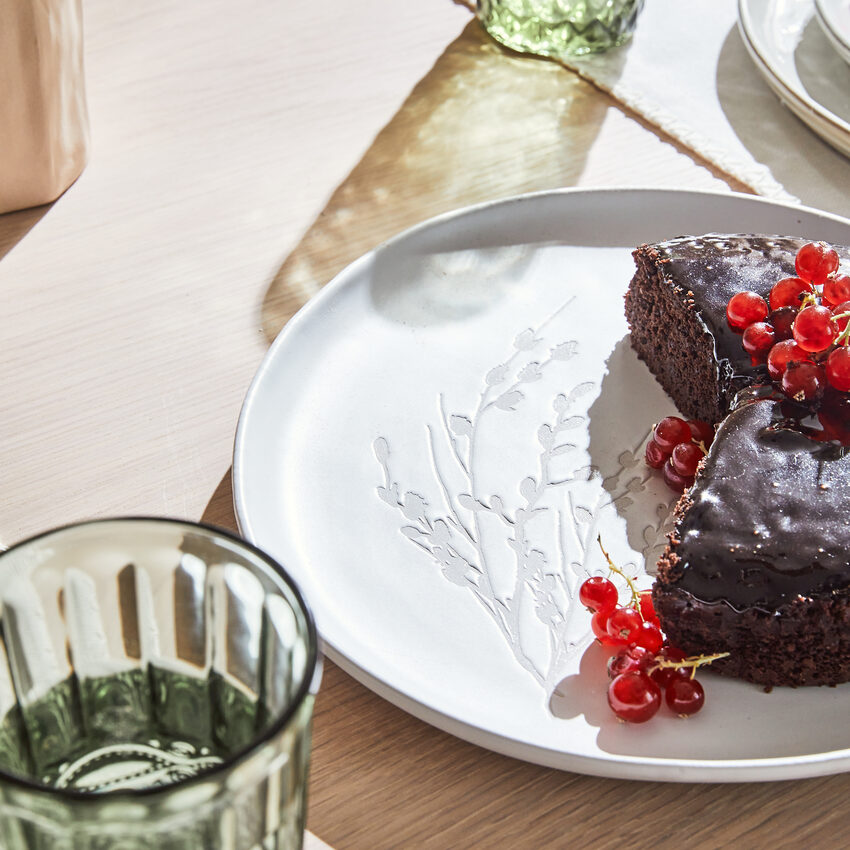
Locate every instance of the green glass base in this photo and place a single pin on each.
(560, 29)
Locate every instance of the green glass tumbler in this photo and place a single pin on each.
(560, 28)
(156, 691)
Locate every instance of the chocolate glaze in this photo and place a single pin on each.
(715, 267)
(767, 520)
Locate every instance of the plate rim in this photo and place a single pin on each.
(617, 765)
(842, 44)
(825, 123)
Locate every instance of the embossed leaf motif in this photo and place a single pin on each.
(579, 390)
(389, 494)
(497, 505)
(572, 422)
(440, 533)
(528, 489)
(564, 351)
(381, 449)
(525, 340)
(412, 532)
(460, 425)
(496, 375)
(455, 568)
(413, 506)
(466, 501)
(531, 372)
(563, 449)
(545, 436)
(509, 400)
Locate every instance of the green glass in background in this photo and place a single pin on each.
(156, 692)
(560, 28)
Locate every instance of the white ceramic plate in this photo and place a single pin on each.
(799, 64)
(431, 447)
(834, 18)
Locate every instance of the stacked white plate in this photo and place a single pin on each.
(802, 49)
(834, 18)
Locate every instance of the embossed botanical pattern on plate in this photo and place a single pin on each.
(531, 596)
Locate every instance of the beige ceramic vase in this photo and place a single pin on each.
(44, 130)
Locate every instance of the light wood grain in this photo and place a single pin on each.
(242, 154)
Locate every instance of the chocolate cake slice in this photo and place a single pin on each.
(676, 308)
(759, 563)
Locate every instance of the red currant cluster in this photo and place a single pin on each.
(645, 663)
(676, 447)
(801, 331)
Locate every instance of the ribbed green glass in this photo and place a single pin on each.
(156, 686)
(560, 28)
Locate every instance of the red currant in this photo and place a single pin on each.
(671, 431)
(814, 329)
(599, 626)
(630, 659)
(836, 289)
(744, 308)
(686, 458)
(634, 697)
(758, 339)
(838, 369)
(782, 321)
(804, 381)
(684, 696)
(789, 293)
(598, 594)
(677, 483)
(649, 636)
(647, 609)
(623, 623)
(781, 355)
(664, 675)
(815, 262)
(701, 431)
(655, 455)
(843, 307)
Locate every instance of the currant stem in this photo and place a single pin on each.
(693, 663)
(632, 587)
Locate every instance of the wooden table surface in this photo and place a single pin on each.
(242, 154)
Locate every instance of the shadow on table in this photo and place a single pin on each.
(797, 158)
(483, 123)
(15, 225)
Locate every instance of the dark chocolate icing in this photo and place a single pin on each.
(770, 515)
(715, 267)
